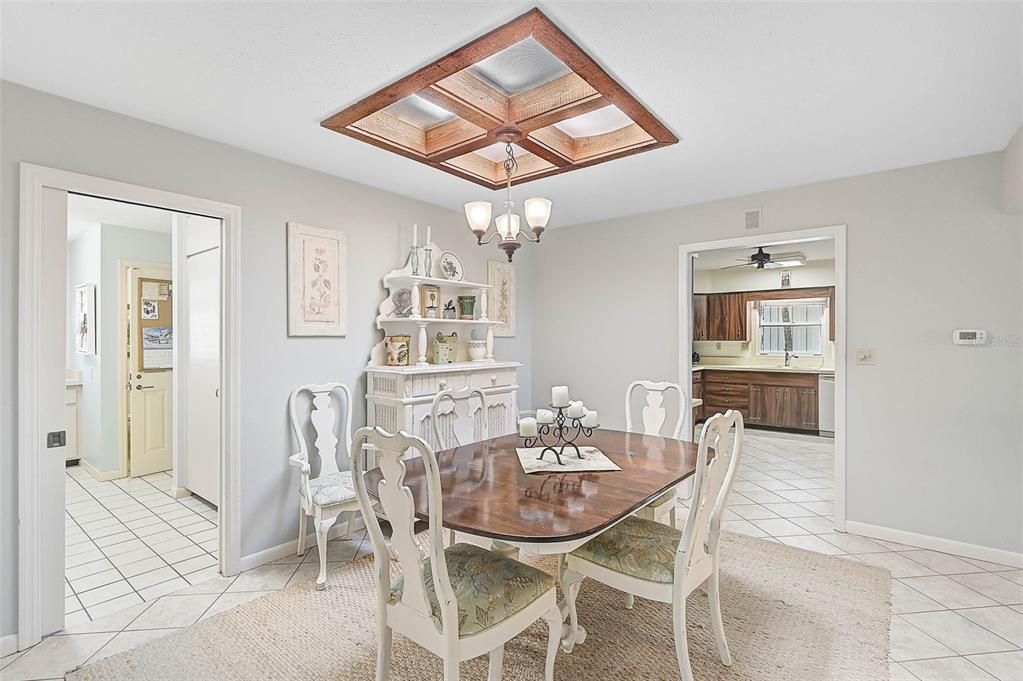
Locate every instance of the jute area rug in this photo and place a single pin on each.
(790, 615)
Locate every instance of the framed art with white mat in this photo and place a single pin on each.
(317, 281)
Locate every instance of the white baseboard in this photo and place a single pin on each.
(925, 541)
(8, 644)
(100, 476)
(289, 548)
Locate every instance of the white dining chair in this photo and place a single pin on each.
(459, 417)
(330, 492)
(657, 562)
(458, 602)
(656, 422)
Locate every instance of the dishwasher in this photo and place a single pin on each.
(826, 405)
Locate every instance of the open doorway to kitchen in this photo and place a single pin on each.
(109, 325)
(132, 534)
(762, 333)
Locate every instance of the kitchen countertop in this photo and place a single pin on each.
(751, 367)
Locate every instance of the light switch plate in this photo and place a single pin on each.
(865, 356)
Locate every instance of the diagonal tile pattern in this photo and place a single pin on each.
(954, 618)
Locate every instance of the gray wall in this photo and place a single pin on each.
(47, 130)
(934, 442)
(84, 255)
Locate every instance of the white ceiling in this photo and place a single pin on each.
(84, 212)
(762, 95)
(817, 249)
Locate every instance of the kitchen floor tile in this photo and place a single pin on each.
(54, 656)
(899, 565)
(173, 612)
(907, 599)
(993, 586)
(942, 563)
(949, 593)
(947, 669)
(909, 643)
(1003, 666)
(263, 578)
(1003, 621)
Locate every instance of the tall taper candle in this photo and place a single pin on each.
(559, 396)
(415, 234)
(428, 236)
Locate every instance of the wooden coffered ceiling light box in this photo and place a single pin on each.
(525, 82)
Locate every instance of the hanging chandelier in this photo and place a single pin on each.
(538, 211)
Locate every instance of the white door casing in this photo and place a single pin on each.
(150, 400)
(42, 245)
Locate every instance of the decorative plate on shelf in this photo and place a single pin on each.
(451, 266)
(402, 299)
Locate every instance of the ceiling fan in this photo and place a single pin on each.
(764, 260)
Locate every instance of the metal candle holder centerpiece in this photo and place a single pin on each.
(560, 432)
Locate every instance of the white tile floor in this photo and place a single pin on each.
(954, 618)
(129, 541)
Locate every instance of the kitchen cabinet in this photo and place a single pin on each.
(699, 317)
(726, 317)
(697, 395)
(776, 399)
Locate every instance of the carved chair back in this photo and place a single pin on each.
(711, 484)
(396, 500)
(654, 414)
(459, 417)
(321, 418)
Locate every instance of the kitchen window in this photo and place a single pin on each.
(793, 326)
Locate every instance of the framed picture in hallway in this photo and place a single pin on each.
(317, 281)
(85, 319)
(501, 277)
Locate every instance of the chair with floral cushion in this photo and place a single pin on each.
(327, 491)
(458, 602)
(658, 562)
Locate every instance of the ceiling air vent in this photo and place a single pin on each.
(753, 219)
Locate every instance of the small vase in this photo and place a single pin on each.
(467, 307)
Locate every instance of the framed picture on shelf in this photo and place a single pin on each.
(501, 277)
(396, 349)
(317, 281)
(85, 319)
(430, 304)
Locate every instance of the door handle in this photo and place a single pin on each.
(143, 387)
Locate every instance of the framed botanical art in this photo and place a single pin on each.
(317, 281)
(501, 277)
(85, 319)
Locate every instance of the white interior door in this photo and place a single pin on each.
(202, 382)
(150, 365)
(52, 304)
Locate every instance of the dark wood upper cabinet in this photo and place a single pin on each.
(726, 317)
(699, 317)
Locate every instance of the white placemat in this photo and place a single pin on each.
(593, 460)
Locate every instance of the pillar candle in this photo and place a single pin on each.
(527, 427)
(559, 396)
(590, 419)
(576, 410)
(544, 416)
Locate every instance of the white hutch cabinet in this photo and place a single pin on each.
(400, 397)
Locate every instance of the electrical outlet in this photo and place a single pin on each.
(865, 356)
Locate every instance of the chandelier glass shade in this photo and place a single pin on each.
(507, 225)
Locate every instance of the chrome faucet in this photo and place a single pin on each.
(789, 357)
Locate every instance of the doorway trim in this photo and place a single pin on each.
(685, 315)
(31, 438)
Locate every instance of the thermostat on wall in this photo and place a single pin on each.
(969, 337)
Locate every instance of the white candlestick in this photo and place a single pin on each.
(527, 427)
(590, 419)
(576, 410)
(559, 396)
(415, 234)
(428, 236)
(544, 416)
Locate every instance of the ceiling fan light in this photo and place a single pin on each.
(477, 214)
(538, 212)
(507, 229)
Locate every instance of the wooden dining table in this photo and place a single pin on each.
(486, 494)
